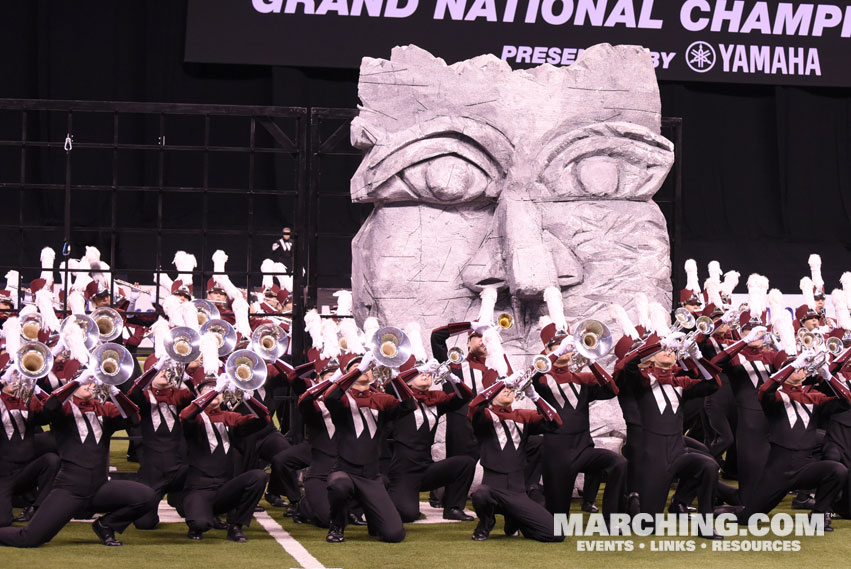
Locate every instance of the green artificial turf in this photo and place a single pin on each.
(439, 546)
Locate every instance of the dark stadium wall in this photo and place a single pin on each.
(766, 176)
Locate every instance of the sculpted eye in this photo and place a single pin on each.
(443, 169)
(610, 160)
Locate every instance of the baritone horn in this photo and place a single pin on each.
(206, 311)
(224, 333)
(245, 370)
(505, 320)
(391, 347)
(31, 325)
(109, 323)
(834, 345)
(91, 334)
(33, 361)
(113, 364)
(183, 344)
(270, 341)
(592, 340)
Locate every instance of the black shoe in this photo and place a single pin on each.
(827, 518)
(105, 533)
(633, 504)
(589, 507)
(510, 527)
(275, 500)
(806, 504)
(259, 508)
(292, 510)
(434, 502)
(335, 534)
(235, 533)
(457, 514)
(25, 515)
(483, 530)
(195, 534)
(219, 524)
(677, 508)
(356, 519)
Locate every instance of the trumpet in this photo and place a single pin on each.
(109, 323)
(809, 339)
(505, 321)
(684, 320)
(31, 325)
(592, 341)
(540, 364)
(206, 311)
(224, 333)
(90, 329)
(455, 356)
(702, 325)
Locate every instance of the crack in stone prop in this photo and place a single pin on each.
(484, 176)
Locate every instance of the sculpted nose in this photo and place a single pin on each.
(529, 264)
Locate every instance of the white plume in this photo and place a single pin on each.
(782, 326)
(692, 282)
(160, 330)
(806, 285)
(165, 284)
(76, 302)
(840, 308)
(757, 295)
(344, 302)
(714, 268)
(555, 306)
(313, 326)
(731, 281)
(488, 296)
(544, 321)
(81, 282)
(349, 332)
(74, 340)
(189, 313)
(845, 280)
(284, 280)
(173, 310)
(414, 333)
(330, 344)
(13, 277)
(268, 266)
(815, 270)
(618, 314)
(660, 319)
(185, 263)
(44, 301)
(713, 291)
(775, 303)
(209, 345)
(240, 314)
(496, 355)
(370, 327)
(48, 256)
(642, 306)
(12, 332)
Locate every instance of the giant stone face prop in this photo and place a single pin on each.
(483, 176)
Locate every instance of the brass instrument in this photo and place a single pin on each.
(109, 323)
(270, 341)
(808, 340)
(246, 372)
(112, 365)
(592, 340)
(31, 325)
(183, 344)
(684, 320)
(505, 321)
(702, 325)
(129, 285)
(206, 311)
(540, 364)
(834, 345)
(33, 360)
(90, 329)
(224, 333)
(455, 356)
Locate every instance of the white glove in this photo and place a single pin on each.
(247, 395)
(755, 334)
(531, 394)
(730, 316)
(222, 382)
(802, 360)
(86, 377)
(335, 377)
(824, 371)
(565, 346)
(430, 366)
(8, 375)
(513, 380)
(113, 390)
(480, 327)
(368, 359)
(694, 352)
(672, 341)
(134, 295)
(160, 363)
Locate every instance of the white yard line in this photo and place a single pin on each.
(288, 542)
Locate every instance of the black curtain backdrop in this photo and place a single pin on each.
(766, 177)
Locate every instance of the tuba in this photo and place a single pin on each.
(206, 311)
(224, 333)
(31, 325)
(270, 341)
(87, 324)
(109, 323)
(183, 344)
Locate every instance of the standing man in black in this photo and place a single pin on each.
(283, 249)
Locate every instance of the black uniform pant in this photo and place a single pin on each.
(561, 465)
(791, 469)
(80, 491)
(665, 457)
(631, 451)
(720, 410)
(282, 480)
(38, 474)
(285, 464)
(408, 480)
(752, 450)
(460, 439)
(505, 494)
(236, 497)
(314, 505)
(381, 515)
(172, 483)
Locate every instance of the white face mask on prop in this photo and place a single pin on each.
(521, 180)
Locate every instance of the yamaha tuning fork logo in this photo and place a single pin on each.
(700, 56)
